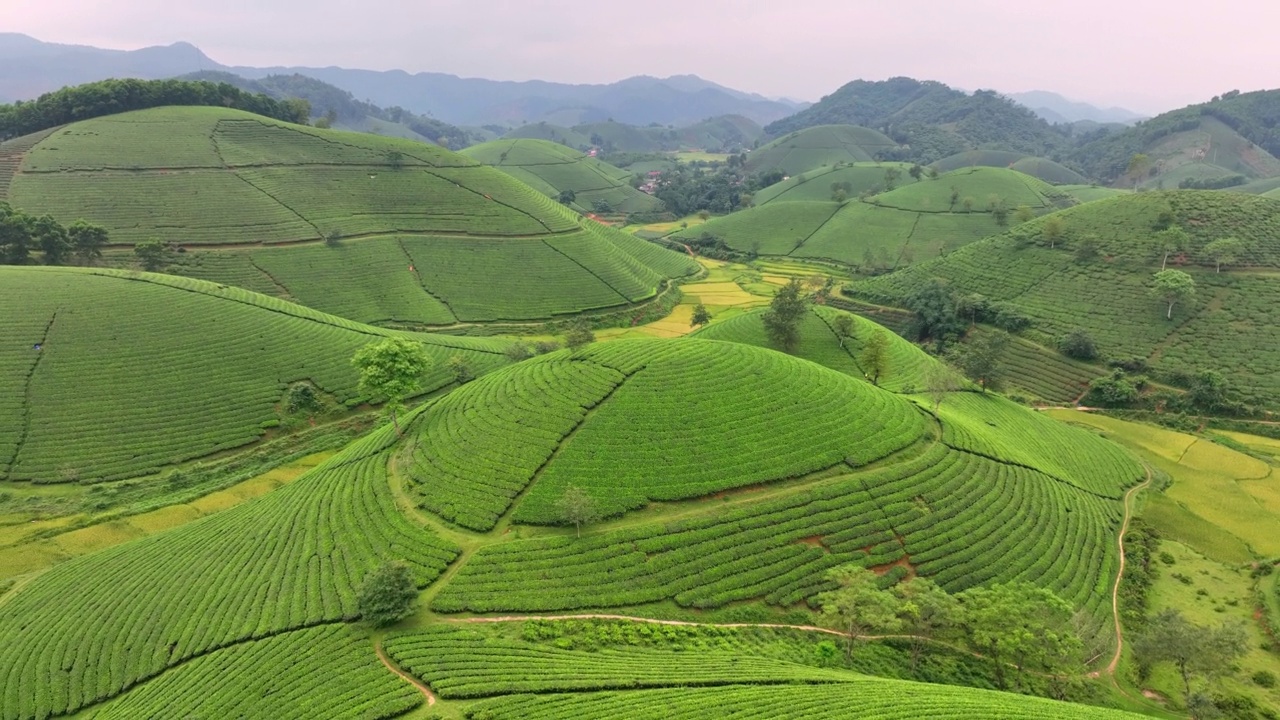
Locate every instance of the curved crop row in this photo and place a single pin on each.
(93, 627)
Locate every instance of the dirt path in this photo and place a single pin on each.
(426, 691)
(1115, 589)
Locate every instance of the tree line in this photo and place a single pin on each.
(23, 235)
(108, 97)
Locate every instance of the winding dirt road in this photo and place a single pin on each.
(426, 691)
(1115, 589)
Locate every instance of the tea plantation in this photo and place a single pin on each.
(911, 223)
(413, 234)
(108, 374)
(1227, 325)
(814, 147)
(552, 168)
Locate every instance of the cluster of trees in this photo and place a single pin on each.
(21, 235)
(1016, 626)
(109, 97)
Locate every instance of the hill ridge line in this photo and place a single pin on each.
(1013, 463)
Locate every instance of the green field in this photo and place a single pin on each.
(818, 184)
(1227, 327)
(138, 371)
(552, 168)
(912, 223)
(423, 235)
(814, 147)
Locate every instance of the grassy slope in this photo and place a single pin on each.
(137, 371)
(814, 147)
(1037, 167)
(1228, 326)
(552, 168)
(208, 178)
(817, 184)
(911, 223)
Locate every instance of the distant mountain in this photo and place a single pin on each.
(29, 67)
(931, 120)
(1058, 109)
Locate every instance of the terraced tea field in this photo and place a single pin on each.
(109, 374)
(421, 233)
(552, 168)
(1227, 325)
(814, 147)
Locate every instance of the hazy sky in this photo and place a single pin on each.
(1147, 55)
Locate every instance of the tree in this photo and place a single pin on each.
(1078, 344)
(700, 316)
(1088, 248)
(1192, 649)
(939, 381)
(981, 358)
(52, 239)
(1171, 240)
(1224, 251)
(15, 236)
(891, 176)
(1139, 166)
(153, 254)
(1173, 287)
(926, 611)
(392, 368)
(1209, 389)
(859, 606)
(843, 328)
(387, 595)
(567, 197)
(578, 334)
(936, 311)
(395, 159)
(1019, 623)
(333, 238)
(1023, 214)
(782, 319)
(916, 171)
(87, 241)
(460, 370)
(874, 357)
(601, 206)
(577, 508)
(1052, 230)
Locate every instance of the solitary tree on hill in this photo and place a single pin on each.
(1224, 251)
(875, 356)
(1139, 166)
(1173, 287)
(782, 319)
(843, 328)
(577, 508)
(981, 358)
(916, 171)
(1024, 213)
(387, 595)
(1172, 239)
(859, 606)
(153, 254)
(393, 368)
(701, 316)
(1052, 230)
(940, 381)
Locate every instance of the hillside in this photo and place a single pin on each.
(553, 133)
(370, 228)
(1226, 327)
(79, 405)
(821, 183)
(910, 223)
(1057, 109)
(814, 147)
(1234, 134)
(930, 119)
(1037, 167)
(552, 169)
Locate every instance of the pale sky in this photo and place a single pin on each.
(1146, 55)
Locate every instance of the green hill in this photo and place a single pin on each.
(720, 134)
(108, 374)
(552, 168)
(1037, 167)
(822, 183)
(425, 235)
(931, 121)
(914, 222)
(552, 133)
(814, 147)
(618, 137)
(1227, 326)
(1234, 134)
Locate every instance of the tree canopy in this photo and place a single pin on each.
(392, 368)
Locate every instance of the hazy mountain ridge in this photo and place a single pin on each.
(1055, 108)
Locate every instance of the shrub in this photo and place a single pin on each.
(1078, 344)
(387, 595)
(1264, 678)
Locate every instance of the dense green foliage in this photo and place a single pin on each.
(553, 169)
(107, 374)
(291, 559)
(1227, 326)
(387, 594)
(108, 97)
(914, 114)
(319, 672)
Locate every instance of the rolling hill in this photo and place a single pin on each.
(814, 147)
(1226, 327)
(110, 374)
(891, 229)
(931, 120)
(370, 228)
(210, 613)
(1037, 167)
(552, 168)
